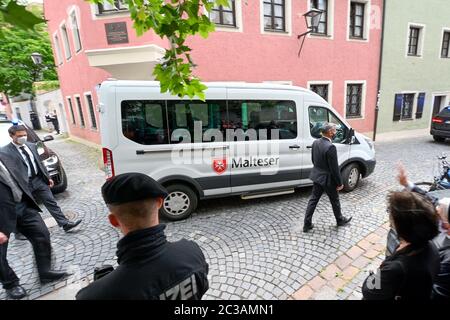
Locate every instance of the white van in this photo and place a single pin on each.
(252, 140)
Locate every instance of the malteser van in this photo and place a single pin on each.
(252, 140)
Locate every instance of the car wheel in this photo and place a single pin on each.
(350, 177)
(180, 203)
(438, 139)
(63, 186)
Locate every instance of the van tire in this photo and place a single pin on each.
(350, 176)
(183, 199)
(438, 139)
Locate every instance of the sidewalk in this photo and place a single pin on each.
(399, 135)
(342, 279)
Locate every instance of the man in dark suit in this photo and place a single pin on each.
(326, 177)
(29, 163)
(19, 211)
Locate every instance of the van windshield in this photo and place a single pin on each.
(318, 116)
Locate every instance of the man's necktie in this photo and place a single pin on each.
(30, 163)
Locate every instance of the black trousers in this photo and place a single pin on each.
(31, 225)
(317, 192)
(56, 125)
(42, 192)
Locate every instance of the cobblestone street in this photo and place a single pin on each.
(255, 248)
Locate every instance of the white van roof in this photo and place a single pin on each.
(225, 84)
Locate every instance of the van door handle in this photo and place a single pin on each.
(294, 147)
(309, 147)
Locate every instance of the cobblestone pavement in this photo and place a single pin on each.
(255, 248)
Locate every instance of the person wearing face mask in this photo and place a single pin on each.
(34, 171)
(326, 177)
(441, 286)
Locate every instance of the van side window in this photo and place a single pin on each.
(318, 116)
(144, 121)
(185, 116)
(269, 119)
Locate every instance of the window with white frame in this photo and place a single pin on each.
(80, 111)
(91, 111)
(357, 20)
(66, 42)
(59, 58)
(320, 89)
(76, 31)
(354, 100)
(107, 8)
(413, 44)
(404, 106)
(322, 5)
(445, 45)
(72, 113)
(415, 40)
(224, 16)
(275, 15)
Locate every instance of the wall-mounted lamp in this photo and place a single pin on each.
(312, 18)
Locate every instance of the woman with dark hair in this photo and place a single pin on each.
(408, 274)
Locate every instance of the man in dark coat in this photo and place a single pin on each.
(28, 162)
(326, 177)
(150, 267)
(18, 210)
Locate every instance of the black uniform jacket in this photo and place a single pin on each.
(8, 215)
(151, 268)
(326, 168)
(408, 274)
(14, 153)
(441, 287)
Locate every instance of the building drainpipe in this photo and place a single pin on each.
(377, 105)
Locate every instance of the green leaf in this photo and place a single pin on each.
(19, 16)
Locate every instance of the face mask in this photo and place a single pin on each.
(21, 140)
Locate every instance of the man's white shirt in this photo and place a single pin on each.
(30, 154)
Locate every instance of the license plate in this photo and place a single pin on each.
(447, 122)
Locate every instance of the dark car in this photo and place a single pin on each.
(440, 125)
(50, 159)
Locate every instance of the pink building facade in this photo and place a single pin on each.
(255, 41)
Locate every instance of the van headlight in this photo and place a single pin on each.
(369, 142)
(50, 161)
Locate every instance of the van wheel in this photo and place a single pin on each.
(438, 139)
(180, 203)
(350, 176)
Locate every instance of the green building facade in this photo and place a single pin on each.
(415, 69)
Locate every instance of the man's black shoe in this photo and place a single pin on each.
(344, 221)
(19, 236)
(51, 276)
(17, 292)
(70, 225)
(308, 227)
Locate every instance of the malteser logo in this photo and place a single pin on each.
(219, 165)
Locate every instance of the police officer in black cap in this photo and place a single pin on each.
(150, 267)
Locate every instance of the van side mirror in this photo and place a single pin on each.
(48, 138)
(351, 136)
